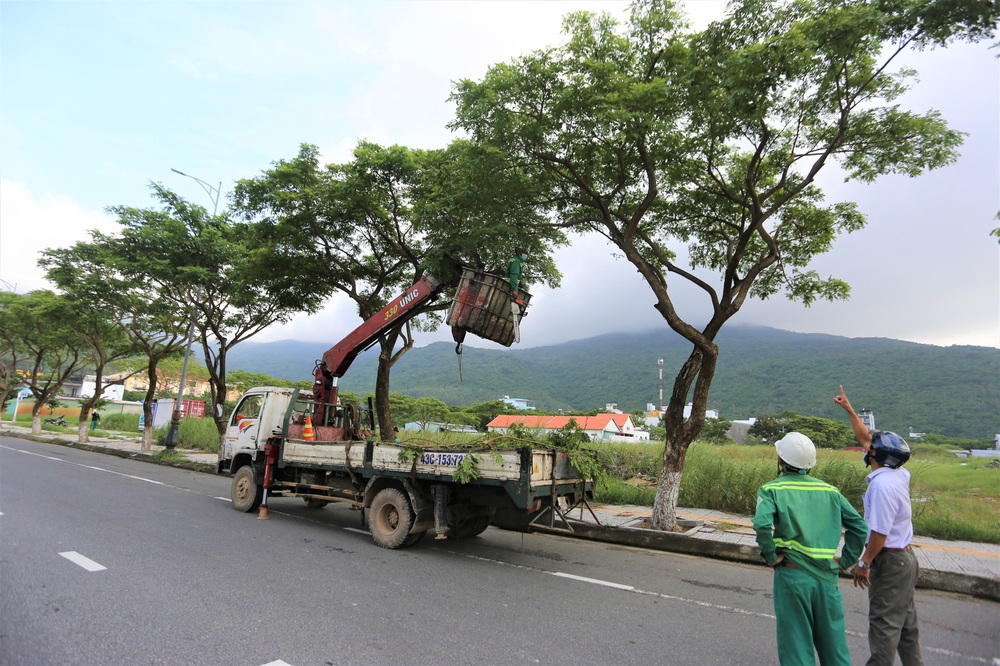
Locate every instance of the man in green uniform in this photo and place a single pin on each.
(798, 524)
(515, 265)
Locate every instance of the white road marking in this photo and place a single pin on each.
(359, 531)
(226, 499)
(594, 581)
(99, 469)
(85, 562)
(277, 662)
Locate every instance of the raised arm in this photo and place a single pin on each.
(860, 431)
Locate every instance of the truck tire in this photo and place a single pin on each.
(391, 518)
(469, 528)
(246, 492)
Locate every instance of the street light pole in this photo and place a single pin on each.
(173, 436)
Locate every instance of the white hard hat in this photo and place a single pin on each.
(797, 450)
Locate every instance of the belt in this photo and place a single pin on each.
(897, 550)
(786, 563)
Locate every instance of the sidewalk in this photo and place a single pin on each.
(953, 566)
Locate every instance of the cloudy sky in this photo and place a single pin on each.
(100, 98)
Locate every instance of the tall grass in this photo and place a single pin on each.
(953, 498)
(192, 433)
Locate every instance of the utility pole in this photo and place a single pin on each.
(173, 436)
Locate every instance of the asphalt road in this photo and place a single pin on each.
(110, 561)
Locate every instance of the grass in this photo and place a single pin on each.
(953, 498)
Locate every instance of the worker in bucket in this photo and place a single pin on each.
(515, 265)
(798, 524)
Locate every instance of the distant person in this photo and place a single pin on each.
(798, 524)
(395, 434)
(95, 418)
(888, 567)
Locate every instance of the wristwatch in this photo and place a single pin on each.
(862, 565)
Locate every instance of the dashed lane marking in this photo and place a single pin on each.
(593, 581)
(85, 562)
(99, 469)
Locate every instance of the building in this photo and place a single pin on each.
(518, 403)
(111, 392)
(603, 427)
(654, 416)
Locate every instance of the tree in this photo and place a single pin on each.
(378, 224)
(657, 140)
(40, 328)
(206, 266)
(716, 431)
(106, 275)
(106, 344)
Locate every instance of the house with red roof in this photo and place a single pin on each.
(603, 427)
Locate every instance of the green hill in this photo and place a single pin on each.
(952, 391)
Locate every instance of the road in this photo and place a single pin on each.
(110, 561)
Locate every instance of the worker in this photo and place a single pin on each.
(798, 524)
(515, 266)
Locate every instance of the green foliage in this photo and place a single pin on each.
(824, 433)
(716, 431)
(571, 440)
(193, 433)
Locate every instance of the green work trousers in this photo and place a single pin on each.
(810, 620)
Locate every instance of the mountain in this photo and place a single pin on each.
(947, 390)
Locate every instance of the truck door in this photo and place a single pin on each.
(244, 425)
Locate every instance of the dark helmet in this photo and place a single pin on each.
(888, 449)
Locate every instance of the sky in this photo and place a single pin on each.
(98, 99)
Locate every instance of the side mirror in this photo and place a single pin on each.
(218, 411)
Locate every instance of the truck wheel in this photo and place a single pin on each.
(245, 492)
(469, 528)
(391, 518)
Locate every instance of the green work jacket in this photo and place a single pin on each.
(802, 517)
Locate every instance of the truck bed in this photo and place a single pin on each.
(538, 466)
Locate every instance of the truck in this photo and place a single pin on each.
(284, 442)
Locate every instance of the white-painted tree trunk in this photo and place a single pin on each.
(147, 438)
(36, 424)
(665, 505)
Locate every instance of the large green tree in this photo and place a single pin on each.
(373, 226)
(104, 275)
(40, 329)
(661, 139)
(205, 265)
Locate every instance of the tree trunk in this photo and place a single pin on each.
(81, 430)
(697, 371)
(36, 423)
(385, 423)
(147, 435)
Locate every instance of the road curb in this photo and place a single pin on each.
(928, 579)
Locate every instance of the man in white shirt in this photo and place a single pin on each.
(888, 567)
